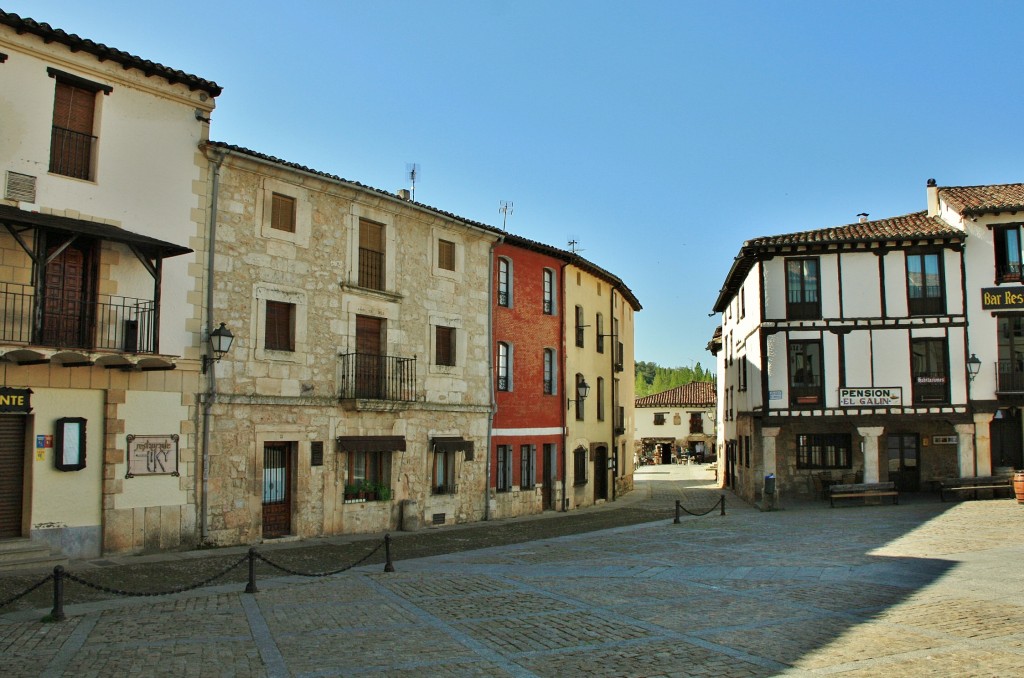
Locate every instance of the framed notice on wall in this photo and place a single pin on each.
(69, 444)
(152, 455)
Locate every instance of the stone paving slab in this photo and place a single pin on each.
(919, 589)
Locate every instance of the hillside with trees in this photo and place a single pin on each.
(653, 378)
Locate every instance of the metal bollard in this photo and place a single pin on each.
(676, 521)
(57, 614)
(251, 586)
(723, 505)
(388, 565)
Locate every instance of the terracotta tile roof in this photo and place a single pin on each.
(104, 53)
(991, 199)
(694, 394)
(908, 226)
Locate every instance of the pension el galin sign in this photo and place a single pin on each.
(872, 396)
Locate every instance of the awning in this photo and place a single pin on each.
(450, 444)
(371, 444)
(14, 217)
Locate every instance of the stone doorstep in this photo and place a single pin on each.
(23, 554)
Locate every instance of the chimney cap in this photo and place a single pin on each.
(863, 216)
(931, 183)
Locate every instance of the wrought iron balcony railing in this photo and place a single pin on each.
(1010, 377)
(71, 153)
(366, 376)
(110, 323)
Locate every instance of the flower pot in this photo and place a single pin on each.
(1018, 486)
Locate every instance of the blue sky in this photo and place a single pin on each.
(660, 135)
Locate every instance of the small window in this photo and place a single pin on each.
(1007, 243)
(71, 140)
(930, 370)
(549, 371)
(527, 467)
(504, 282)
(445, 354)
(600, 398)
(599, 328)
(823, 451)
(659, 418)
(549, 292)
(805, 382)
(579, 397)
(446, 255)
(924, 284)
(803, 289)
(504, 468)
(283, 216)
(443, 475)
(504, 367)
(696, 423)
(579, 326)
(280, 326)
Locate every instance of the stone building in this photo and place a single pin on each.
(357, 395)
(100, 161)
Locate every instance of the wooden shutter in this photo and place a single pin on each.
(445, 346)
(12, 472)
(280, 326)
(73, 108)
(446, 255)
(371, 255)
(283, 213)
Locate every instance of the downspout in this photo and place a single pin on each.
(615, 399)
(211, 374)
(490, 372)
(565, 382)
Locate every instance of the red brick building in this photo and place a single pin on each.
(526, 465)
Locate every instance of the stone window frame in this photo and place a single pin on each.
(303, 213)
(263, 292)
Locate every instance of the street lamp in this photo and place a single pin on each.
(582, 391)
(973, 367)
(220, 343)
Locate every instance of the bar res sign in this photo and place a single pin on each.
(875, 396)
(152, 455)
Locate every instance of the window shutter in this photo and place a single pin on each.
(280, 326)
(446, 255)
(73, 108)
(283, 213)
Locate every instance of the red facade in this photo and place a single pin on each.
(530, 398)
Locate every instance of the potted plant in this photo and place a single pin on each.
(352, 493)
(368, 490)
(383, 492)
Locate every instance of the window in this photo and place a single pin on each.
(743, 302)
(280, 326)
(367, 467)
(930, 370)
(696, 422)
(579, 326)
(803, 294)
(746, 455)
(549, 291)
(659, 418)
(504, 367)
(549, 371)
(72, 142)
(371, 255)
(1008, 252)
(823, 451)
(600, 333)
(504, 468)
(282, 213)
(443, 476)
(446, 255)
(579, 399)
(805, 382)
(924, 284)
(600, 398)
(1011, 353)
(504, 282)
(579, 466)
(743, 373)
(445, 346)
(527, 467)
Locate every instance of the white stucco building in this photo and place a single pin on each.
(847, 349)
(679, 419)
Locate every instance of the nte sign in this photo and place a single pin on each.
(15, 400)
(875, 396)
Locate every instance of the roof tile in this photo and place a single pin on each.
(694, 394)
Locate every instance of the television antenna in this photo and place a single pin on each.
(574, 245)
(505, 207)
(412, 170)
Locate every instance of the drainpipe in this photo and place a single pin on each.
(614, 394)
(565, 412)
(490, 372)
(210, 395)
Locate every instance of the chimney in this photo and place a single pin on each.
(862, 217)
(403, 193)
(933, 198)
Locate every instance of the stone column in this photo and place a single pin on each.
(870, 435)
(983, 442)
(768, 435)
(965, 456)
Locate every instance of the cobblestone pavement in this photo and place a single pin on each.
(919, 589)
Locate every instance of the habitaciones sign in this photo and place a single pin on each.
(875, 396)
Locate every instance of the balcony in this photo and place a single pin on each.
(111, 323)
(71, 153)
(366, 376)
(1009, 377)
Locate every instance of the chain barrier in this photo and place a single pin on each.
(26, 591)
(266, 560)
(60, 575)
(720, 504)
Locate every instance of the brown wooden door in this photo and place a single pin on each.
(12, 473)
(369, 359)
(66, 299)
(277, 489)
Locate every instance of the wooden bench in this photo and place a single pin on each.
(865, 490)
(973, 484)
